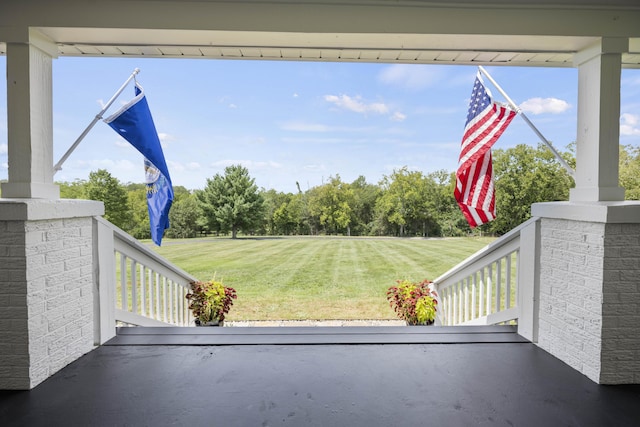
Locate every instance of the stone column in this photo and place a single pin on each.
(30, 117)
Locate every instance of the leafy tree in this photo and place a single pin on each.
(107, 189)
(332, 204)
(449, 216)
(630, 171)
(525, 175)
(308, 223)
(183, 217)
(72, 190)
(273, 203)
(365, 197)
(139, 227)
(405, 203)
(232, 200)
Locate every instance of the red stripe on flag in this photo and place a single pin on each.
(474, 190)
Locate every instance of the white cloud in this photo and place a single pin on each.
(165, 137)
(355, 104)
(194, 166)
(545, 105)
(4, 148)
(398, 117)
(629, 124)
(175, 166)
(4, 165)
(410, 76)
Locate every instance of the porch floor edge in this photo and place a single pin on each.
(315, 335)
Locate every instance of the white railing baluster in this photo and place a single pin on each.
(123, 282)
(164, 299)
(143, 295)
(170, 301)
(449, 307)
(482, 293)
(488, 289)
(134, 284)
(180, 302)
(517, 269)
(466, 299)
(507, 297)
(157, 295)
(473, 291)
(142, 274)
(498, 285)
(473, 296)
(460, 302)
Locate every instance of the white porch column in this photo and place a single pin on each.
(597, 156)
(30, 117)
(589, 268)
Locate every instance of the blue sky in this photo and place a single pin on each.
(300, 121)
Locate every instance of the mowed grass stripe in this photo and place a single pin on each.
(316, 277)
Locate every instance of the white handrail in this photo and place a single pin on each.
(484, 288)
(136, 285)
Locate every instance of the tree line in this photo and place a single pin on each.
(405, 203)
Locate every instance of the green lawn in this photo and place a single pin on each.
(315, 277)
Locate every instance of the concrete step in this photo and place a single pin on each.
(315, 335)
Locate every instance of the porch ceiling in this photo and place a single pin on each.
(517, 50)
(478, 32)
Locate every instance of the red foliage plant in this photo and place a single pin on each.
(415, 303)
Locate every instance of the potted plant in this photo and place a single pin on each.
(415, 303)
(210, 302)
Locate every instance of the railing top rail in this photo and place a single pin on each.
(136, 246)
(491, 247)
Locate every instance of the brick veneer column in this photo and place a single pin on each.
(46, 287)
(590, 288)
(571, 284)
(620, 361)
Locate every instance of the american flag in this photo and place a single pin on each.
(486, 120)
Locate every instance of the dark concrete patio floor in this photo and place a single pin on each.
(492, 383)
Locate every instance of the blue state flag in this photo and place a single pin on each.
(134, 123)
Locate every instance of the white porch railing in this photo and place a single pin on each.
(495, 285)
(136, 285)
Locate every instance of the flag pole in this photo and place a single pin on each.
(531, 125)
(58, 166)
